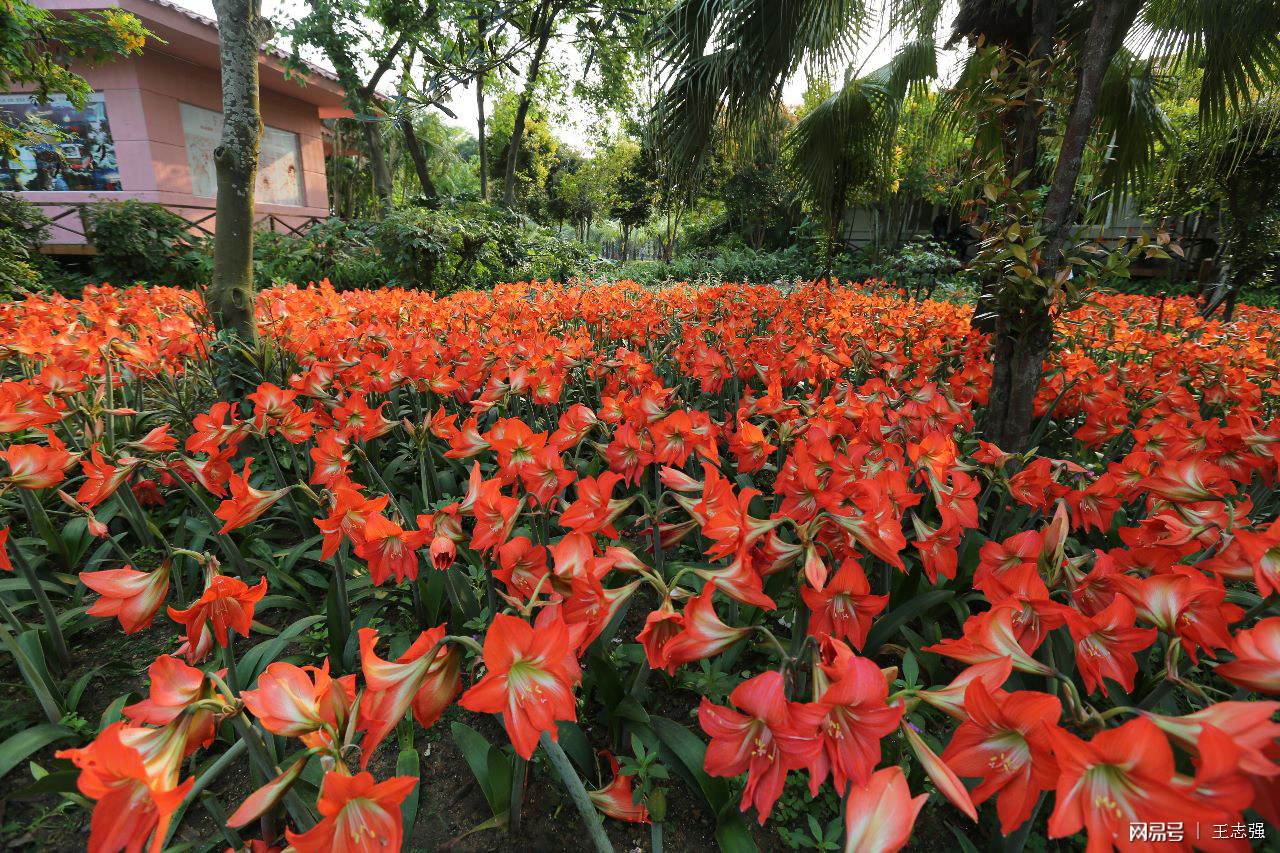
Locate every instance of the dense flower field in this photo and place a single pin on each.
(551, 503)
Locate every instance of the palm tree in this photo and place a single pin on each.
(728, 60)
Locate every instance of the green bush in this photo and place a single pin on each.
(921, 265)
(143, 242)
(442, 250)
(23, 228)
(335, 249)
(742, 264)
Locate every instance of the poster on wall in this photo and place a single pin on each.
(62, 149)
(279, 164)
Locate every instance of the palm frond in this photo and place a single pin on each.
(1131, 123)
(1235, 44)
(728, 60)
(845, 144)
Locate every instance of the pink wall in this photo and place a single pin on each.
(142, 97)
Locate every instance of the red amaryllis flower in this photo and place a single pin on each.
(991, 636)
(523, 565)
(844, 608)
(661, 626)
(530, 679)
(216, 428)
(879, 816)
(443, 552)
(496, 514)
(212, 473)
(424, 679)
(594, 511)
(1247, 725)
(101, 479)
(1005, 741)
(358, 815)
(329, 455)
(133, 801)
(347, 518)
(1257, 663)
(227, 602)
(175, 688)
(34, 466)
(855, 715)
(157, 441)
(246, 503)
(950, 699)
(766, 738)
(1184, 603)
(1192, 478)
(1106, 643)
(704, 634)
(298, 701)
(389, 549)
(4, 550)
(1262, 547)
(615, 799)
(133, 597)
(1121, 777)
(200, 651)
(751, 447)
(147, 493)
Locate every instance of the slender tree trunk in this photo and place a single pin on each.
(378, 168)
(242, 30)
(484, 145)
(1023, 341)
(1111, 22)
(545, 20)
(419, 159)
(1021, 132)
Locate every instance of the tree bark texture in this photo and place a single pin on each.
(242, 30)
(484, 146)
(544, 24)
(378, 168)
(1023, 341)
(420, 165)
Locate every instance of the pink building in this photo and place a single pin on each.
(149, 130)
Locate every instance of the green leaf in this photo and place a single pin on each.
(57, 782)
(27, 742)
(475, 749)
(114, 712)
(500, 779)
(690, 752)
(573, 740)
(733, 836)
(408, 764)
(257, 658)
(965, 844)
(77, 689)
(910, 668)
(885, 627)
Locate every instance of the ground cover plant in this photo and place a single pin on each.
(713, 550)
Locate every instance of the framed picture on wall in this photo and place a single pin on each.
(279, 160)
(62, 148)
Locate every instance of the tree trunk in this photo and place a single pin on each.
(545, 21)
(484, 146)
(1020, 350)
(419, 159)
(1021, 131)
(242, 29)
(378, 169)
(1111, 22)
(1023, 341)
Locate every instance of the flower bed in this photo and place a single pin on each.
(687, 545)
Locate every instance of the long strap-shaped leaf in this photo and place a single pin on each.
(578, 792)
